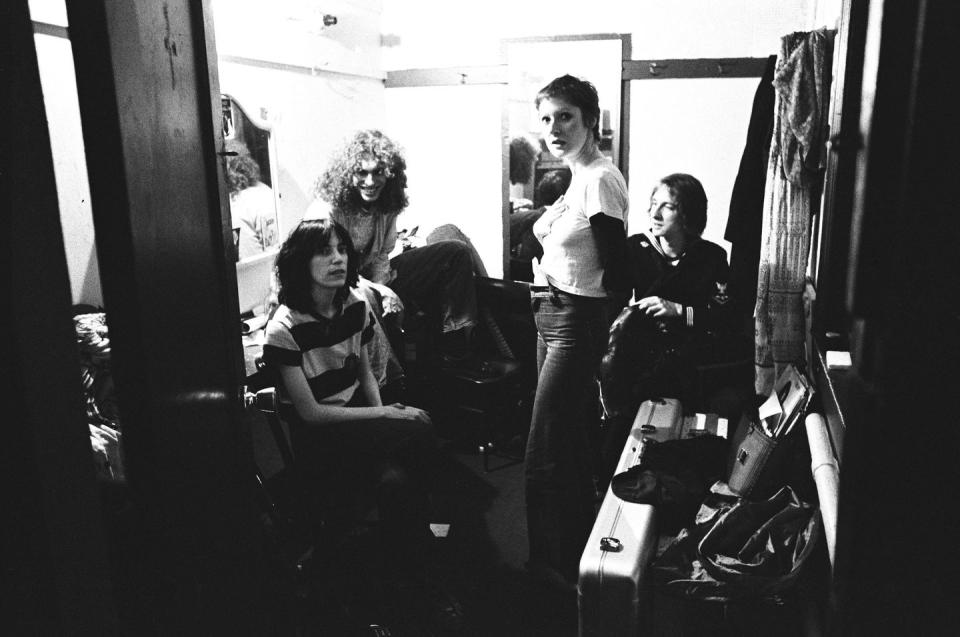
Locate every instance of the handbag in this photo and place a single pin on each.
(758, 465)
(740, 549)
(761, 461)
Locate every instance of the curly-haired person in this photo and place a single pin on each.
(364, 190)
(252, 205)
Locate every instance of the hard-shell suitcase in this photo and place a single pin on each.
(624, 537)
(700, 424)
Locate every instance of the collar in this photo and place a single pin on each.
(659, 249)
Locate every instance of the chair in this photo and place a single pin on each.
(281, 497)
(488, 391)
(281, 489)
(497, 394)
(308, 551)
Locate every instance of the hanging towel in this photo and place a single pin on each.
(802, 86)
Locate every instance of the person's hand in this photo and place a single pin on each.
(392, 303)
(399, 411)
(389, 300)
(658, 307)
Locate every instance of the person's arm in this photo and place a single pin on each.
(606, 205)
(282, 353)
(312, 412)
(379, 273)
(659, 307)
(368, 383)
(611, 239)
(390, 302)
(377, 268)
(709, 305)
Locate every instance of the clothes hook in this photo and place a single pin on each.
(654, 69)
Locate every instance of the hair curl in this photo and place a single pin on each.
(293, 262)
(552, 185)
(522, 155)
(336, 185)
(578, 92)
(243, 171)
(692, 200)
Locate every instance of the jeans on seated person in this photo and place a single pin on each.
(394, 461)
(438, 279)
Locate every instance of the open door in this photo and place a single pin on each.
(151, 116)
(55, 574)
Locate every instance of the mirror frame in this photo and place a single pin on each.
(262, 124)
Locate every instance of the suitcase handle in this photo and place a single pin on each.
(611, 544)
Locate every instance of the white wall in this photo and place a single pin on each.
(318, 84)
(453, 162)
(55, 62)
(426, 33)
(695, 126)
(314, 84)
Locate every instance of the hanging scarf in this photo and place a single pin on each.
(802, 85)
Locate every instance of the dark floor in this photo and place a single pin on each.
(345, 591)
(480, 563)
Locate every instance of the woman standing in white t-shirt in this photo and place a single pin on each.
(583, 240)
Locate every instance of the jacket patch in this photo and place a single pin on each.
(720, 294)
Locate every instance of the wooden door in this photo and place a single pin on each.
(55, 575)
(897, 522)
(150, 110)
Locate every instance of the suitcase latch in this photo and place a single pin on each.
(611, 544)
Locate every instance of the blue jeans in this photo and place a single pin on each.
(438, 279)
(572, 334)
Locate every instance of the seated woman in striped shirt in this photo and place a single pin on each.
(343, 436)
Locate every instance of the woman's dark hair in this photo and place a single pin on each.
(579, 93)
(336, 186)
(522, 155)
(293, 262)
(242, 170)
(692, 200)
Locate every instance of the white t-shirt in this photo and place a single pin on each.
(570, 260)
(254, 212)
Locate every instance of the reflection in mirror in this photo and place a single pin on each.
(536, 177)
(253, 207)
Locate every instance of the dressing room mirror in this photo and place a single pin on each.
(536, 178)
(250, 170)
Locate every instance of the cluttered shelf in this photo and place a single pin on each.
(843, 394)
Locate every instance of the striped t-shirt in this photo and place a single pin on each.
(327, 349)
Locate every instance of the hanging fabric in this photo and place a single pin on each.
(802, 86)
(745, 220)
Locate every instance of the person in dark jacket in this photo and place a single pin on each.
(681, 314)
